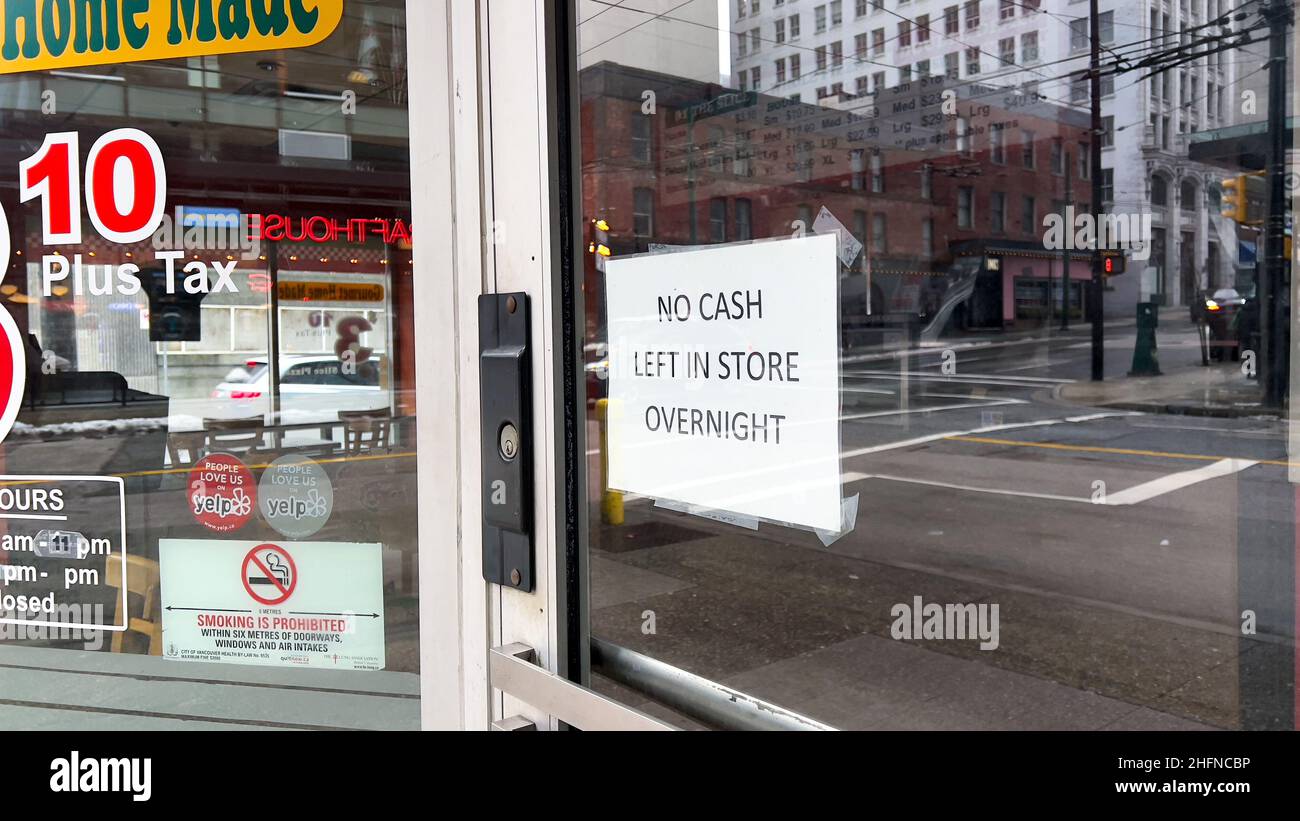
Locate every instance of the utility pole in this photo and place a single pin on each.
(1096, 290)
(1274, 326)
(1065, 252)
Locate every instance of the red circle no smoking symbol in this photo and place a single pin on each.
(269, 574)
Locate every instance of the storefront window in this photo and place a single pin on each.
(1017, 456)
(210, 472)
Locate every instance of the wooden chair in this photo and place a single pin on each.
(185, 447)
(366, 430)
(142, 580)
(238, 436)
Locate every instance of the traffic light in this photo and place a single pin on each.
(1235, 205)
(1113, 264)
(598, 241)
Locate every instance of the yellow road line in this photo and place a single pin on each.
(1199, 457)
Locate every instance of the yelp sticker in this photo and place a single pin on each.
(13, 359)
(222, 494)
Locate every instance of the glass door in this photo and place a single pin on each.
(834, 455)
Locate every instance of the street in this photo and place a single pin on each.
(1107, 537)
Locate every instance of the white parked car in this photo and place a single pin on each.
(311, 388)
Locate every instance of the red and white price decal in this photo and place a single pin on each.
(125, 193)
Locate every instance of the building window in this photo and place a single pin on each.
(860, 45)
(1079, 87)
(877, 42)
(641, 138)
(972, 61)
(857, 167)
(780, 71)
(878, 244)
(794, 66)
(877, 173)
(742, 44)
(972, 14)
(923, 28)
(877, 82)
(927, 237)
(952, 66)
(1027, 148)
(998, 212)
(904, 75)
(963, 140)
(1058, 156)
(1085, 160)
(965, 207)
(1029, 47)
(1159, 190)
(756, 77)
(950, 24)
(1107, 185)
(1187, 199)
(1107, 132)
(718, 219)
(1028, 216)
(1007, 51)
(821, 58)
(780, 31)
(643, 212)
(905, 33)
(819, 19)
(837, 54)
(837, 12)
(927, 182)
(1006, 9)
(860, 8)
(1079, 34)
(755, 41)
(997, 143)
(861, 86)
(744, 220)
(922, 68)
(794, 27)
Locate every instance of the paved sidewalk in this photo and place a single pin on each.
(1185, 386)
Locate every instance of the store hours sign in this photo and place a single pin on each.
(724, 379)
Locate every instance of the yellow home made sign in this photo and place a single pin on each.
(46, 34)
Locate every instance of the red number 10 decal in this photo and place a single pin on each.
(126, 186)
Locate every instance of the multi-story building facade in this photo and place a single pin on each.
(949, 208)
(842, 50)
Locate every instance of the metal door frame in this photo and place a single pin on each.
(485, 129)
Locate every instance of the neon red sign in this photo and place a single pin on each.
(281, 228)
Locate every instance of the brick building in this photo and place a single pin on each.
(947, 189)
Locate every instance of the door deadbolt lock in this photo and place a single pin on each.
(509, 444)
(505, 402)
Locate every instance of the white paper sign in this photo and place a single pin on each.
(290, 604)
(828, 223)
(724, 379)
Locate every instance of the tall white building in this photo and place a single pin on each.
(832, 50)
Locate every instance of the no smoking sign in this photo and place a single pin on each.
(269, 574)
